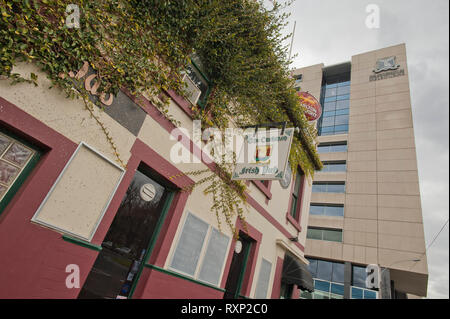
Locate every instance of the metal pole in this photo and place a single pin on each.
(292, 40)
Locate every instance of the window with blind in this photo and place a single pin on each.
(200, 251)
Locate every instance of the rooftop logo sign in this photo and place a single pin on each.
(386, 64)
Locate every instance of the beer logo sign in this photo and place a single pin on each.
(313, 110)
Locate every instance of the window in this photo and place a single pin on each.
(332, 147)
(336, 102)
(358, 293)
(324, 234)
(297, 195)
(328, 187)
(359, 276)
(191, 245)
(328, 280)
(198, 76)
(326, 210)
(17, 159)
(298, 78)
(263, 280)
(334, 167)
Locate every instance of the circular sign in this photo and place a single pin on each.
(238, 247)
(313, 110)
(148, 192)
(286, 181)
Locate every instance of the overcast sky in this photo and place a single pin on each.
(330, 31)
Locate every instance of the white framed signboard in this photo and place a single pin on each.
(264, 155)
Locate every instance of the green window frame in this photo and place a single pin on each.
(297, 195)
(8, 142)
(202, 101)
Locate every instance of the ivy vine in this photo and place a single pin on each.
(144, 46)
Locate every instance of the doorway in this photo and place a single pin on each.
(238, 268)
(125, 246)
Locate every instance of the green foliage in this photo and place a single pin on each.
(144, 45)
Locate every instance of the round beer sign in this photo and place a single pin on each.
(313, 110)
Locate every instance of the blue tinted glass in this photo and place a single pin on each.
(334, 211)
(314, 233)
(324, 270)
(328, 114)
(341, 120)
(343, 90)
(317, 188)
(357, 293)
(339, 148)
(359, 276)
(335, 188)
(330, 106)
(323, 149)
(322, 285)
(323, 133)
(341, 129)
(334, 167)
(316, 210)
(328, 130)
(328, 121)
(343, 97)
(331, 85)
(337, 289)
(369, 294)
(338, 274)
(330, 99)
(346, 83)
(312, 267)
(343, 112)
(342, 105)
(330, 92)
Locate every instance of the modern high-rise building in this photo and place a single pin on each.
(365, 206)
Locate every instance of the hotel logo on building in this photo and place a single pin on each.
(386, 68)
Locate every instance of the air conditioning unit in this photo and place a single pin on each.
(192, 90)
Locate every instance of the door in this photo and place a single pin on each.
(125, 245)
(237, 269)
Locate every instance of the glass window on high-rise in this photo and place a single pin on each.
(335, 101)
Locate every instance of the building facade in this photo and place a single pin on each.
(365, 206)
(76, 224)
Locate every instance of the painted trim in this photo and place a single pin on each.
(178, 275)
(276, 288)
(296, 221)
(81, 243)
(152, 241)
(35, 218)
(264, 189)
(254, 234)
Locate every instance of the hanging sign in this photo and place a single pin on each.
(313, 110)
(264, 155)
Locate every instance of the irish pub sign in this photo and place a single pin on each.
(264, 155)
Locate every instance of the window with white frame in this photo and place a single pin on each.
(263, 280)
(200, 251)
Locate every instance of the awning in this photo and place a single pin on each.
(297, 273)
